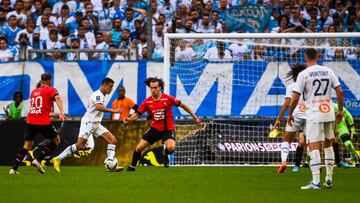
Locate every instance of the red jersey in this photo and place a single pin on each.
(160, 111)
(41, 103)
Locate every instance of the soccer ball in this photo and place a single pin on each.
(110, 163)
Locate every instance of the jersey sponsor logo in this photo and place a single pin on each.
(36, 104)
(159, 114)
(314, 101)
(97, 98)
(302, 107)
(324, 108)
(252, 147)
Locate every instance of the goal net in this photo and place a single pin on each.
(242, 78)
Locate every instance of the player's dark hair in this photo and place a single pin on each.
(311, 53)
(154, 79)
(46, 77)
(107, 81)
(295, 70)
(18, 93)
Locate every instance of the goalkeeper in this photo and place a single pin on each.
(344, 137)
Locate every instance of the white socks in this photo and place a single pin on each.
(315, 163)
(284, 151)
(72, 149)
(111, 150)
(67, 152)
(329, 162)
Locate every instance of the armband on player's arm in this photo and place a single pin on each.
(135, 107)
(133, 117)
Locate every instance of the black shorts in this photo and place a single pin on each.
(47, 131)
(152, 135)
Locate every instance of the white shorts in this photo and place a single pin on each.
(319, 131)
(299, 124)
(88, 128)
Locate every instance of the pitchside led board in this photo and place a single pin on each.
(250, 88)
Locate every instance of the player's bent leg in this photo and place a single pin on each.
(315, 163)
(56, 161)
(137, 154)
(169, 148)
(20, 156)
(346, 139)
(46, 151)
(111, 147)
(338, 162)
(48, 148)
(89, 147)
(285, 147)
(299, 152)
(111, 140)
(329, 162)
(28, 146)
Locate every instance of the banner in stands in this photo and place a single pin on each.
(255, 88)
(248, 18)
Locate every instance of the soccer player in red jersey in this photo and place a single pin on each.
(162, 126)
(38, 121)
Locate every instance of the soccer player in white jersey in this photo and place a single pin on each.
(90, 125)
(315, 83)
(299, 125)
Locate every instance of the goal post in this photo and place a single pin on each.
(242, 78)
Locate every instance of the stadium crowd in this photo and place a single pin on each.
(108, 24)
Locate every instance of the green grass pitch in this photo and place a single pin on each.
(175, 184)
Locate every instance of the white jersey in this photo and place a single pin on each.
(300, 109)
(92, 114)
(316, 83)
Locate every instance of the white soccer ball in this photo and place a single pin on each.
(110, 163)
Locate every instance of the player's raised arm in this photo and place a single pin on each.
(189, 111)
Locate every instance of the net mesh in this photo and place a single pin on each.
(247, 78)
(236, 142)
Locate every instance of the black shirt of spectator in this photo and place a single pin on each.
(138, 29)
